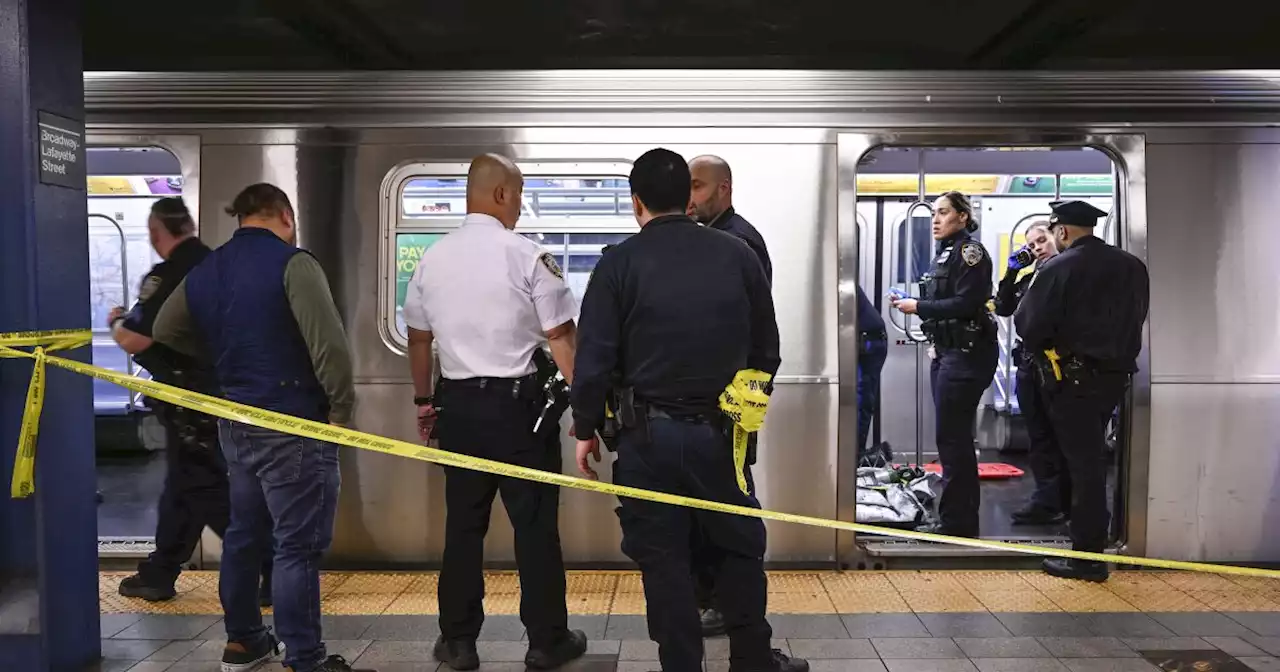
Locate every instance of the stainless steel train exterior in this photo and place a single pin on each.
(1198, 166)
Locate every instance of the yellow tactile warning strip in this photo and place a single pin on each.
(803, 592)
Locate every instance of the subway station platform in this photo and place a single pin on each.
(899, 621)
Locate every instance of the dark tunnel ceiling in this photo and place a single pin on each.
(210, 35)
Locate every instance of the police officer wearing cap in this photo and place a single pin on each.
(1082, 321)
(681, 311)
(489, 298)
(711, 204)
(195, 491)
(1051, 500)
(953, 313)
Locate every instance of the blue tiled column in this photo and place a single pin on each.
(48, 542)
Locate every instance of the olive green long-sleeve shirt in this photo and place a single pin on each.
(313, 308)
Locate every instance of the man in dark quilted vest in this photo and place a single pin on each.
(260, 308)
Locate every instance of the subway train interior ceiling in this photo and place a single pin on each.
(838, 171)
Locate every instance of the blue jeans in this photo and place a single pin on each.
(284, 488)
(870, 363)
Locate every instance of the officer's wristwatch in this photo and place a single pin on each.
(423, 401)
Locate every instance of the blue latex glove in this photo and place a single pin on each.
(897, 294)
(1015, 264)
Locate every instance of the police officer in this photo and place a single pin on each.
(488, 298)
(1082, 320)
(679, 310)
(711, 204)
(195, 487)
(963, 346)
(873, 349)
(1051, 500)
(261, 310)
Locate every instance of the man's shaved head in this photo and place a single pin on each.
(711, 188)
(494, 187)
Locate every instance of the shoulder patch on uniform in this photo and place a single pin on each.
(149, 287)
(972, 253)
(550, 262)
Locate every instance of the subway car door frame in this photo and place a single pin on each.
(1128, 153)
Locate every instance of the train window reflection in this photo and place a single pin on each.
(123, 182)
(571, 216)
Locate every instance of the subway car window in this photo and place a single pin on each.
(123, 183)
(573, 217)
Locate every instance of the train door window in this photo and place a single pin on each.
(123, 182)
(1010, 189)
(572, 210)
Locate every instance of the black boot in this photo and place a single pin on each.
(1035, 515)
(570, 647)
(1065, 568)
(147, 589)
(458, 654)
(789, 664)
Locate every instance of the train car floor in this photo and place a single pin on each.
(891, 621)
(130, 486)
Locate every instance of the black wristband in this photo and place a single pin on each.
(422, 401)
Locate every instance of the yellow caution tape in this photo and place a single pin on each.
(349, 437)
(745, 402)
(24, 467)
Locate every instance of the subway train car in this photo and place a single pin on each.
(838, 171)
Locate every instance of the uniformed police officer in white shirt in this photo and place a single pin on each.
(488, 298)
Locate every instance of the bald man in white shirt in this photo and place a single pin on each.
(488, 298)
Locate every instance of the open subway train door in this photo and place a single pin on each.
(888, 184)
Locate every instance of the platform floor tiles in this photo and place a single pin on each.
(896, 621)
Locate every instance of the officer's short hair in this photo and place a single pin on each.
(172, 212)
(660, 179)
(260, 200)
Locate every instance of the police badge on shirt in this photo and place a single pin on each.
(149, 287)
(550, 262)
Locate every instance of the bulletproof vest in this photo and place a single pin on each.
(940, 283)
(238, 304)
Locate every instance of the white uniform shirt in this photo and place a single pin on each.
(488, 295)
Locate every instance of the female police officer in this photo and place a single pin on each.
(963, 348)
(1052, 497)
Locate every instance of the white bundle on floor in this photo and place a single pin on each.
(887, 495)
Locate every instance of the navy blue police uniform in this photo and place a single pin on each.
(195, 491)
(953, 313)
(704, 558)
(1051, 499)
(873, 349)
(1082, 320)
(678, 309)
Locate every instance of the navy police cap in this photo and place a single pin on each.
(1075, 213)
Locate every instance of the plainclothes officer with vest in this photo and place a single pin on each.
(260, 308)
(683, 313)
(489, 298)
(962, 334)
(873, 350)
(711, 204)
(1082, 320)
(195, 484)
(1051, 500)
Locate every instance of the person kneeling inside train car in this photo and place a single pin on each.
(962, 337)
(1082, 319)
(260, 308)
(195, 485)
(711, 204)
(683, 315)
(489, 299)
(1051, 501)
